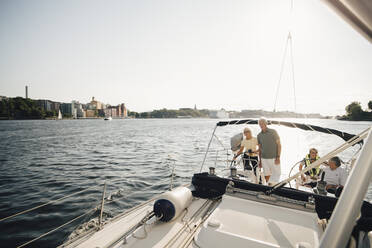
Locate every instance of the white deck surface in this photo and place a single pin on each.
(175, 233)
(234, 223)
(244, 223)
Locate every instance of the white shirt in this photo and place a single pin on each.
(249, 144)
(335, 177)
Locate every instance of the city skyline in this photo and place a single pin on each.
(106, 104)
(215, 54)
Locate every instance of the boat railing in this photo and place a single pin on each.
(249, 159)
(100, 207)
(105, 200)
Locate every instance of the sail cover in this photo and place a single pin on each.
(307, 127)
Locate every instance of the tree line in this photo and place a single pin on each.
(25, 108)
(170, 113)
(22, 108)
(354, 112)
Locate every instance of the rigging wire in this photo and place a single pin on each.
(288, 44)
(57, 228)
(293, 75)
(281, 73)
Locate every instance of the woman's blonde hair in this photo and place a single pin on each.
(247, 129)
(313, 149)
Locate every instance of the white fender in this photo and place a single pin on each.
(172, 203)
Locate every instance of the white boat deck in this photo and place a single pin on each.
(245, 223)
(176, 233)
(231, 222)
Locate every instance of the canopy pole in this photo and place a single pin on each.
(349, 204)
(209, 144)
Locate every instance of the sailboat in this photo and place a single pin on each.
(226, 211)
(59, 115)
(220, 211)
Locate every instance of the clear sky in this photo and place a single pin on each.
(172, 54)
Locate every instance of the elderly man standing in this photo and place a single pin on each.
(269, 152)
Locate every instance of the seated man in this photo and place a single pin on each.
(311, 176)
(335, 176)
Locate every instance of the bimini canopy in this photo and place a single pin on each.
(307, 127)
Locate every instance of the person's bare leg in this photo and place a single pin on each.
(267, 178)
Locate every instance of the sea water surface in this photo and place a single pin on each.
(44, 160)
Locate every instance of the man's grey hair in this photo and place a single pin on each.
(262, 119)
(336, 160)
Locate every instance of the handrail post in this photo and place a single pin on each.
(209, 144)
(172, 176)
(102, 205)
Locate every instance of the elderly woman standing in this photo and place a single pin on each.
(249, 144)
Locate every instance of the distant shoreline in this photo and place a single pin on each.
(160, 118)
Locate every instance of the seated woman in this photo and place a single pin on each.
(335, 176)
(313, 174)
(249, 144)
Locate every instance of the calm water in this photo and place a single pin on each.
(45, 160)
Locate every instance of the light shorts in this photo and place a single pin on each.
(271, 169)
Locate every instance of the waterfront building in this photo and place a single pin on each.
(111, 111)
(94, 104)
(74, 113)
(79, 112)
(46, 105)
(55, 106)
(66, 109)
(118, 111)
(114, 111)
(107, 112)
(124, 112)
(101, 113)
(79, 109)
(90, 113)
(219, 114)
